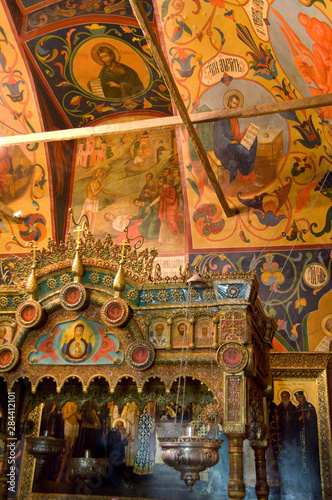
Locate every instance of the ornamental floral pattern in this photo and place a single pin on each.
(94, 278)
(52, 283)
(108, 280)
(147, 296)
(177, 295)
(133, 294)
(163, 296)
(4, 302)
(65, 278)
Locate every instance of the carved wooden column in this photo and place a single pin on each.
(236, 485)
(262, 487)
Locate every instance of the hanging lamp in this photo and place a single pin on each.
(190, 454)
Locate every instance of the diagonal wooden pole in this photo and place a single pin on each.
(160, 59)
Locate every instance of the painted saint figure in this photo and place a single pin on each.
(306, 442)
(117, 440)
(226, 144)
(117, 79)
(71, 419)
(286, 411)
(91, 203)
(77, 348)
(284, 441)
(145, 456)
(169, 214)
(89, 429)
(150, 189)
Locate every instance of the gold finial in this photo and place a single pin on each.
(120, 280)
(32, 283)
(82, 227)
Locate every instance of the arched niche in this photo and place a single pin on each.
(72, 387)
(46, 386)
(153, 385)
(190, 389)
(98, 380)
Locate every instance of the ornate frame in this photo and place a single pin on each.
(311, 366)
(284, 366)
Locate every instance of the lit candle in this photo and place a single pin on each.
(190, 431)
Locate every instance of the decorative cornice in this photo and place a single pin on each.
(297, 361)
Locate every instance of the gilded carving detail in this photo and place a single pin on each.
(28, 462)
(312, 361)
(324, 427)
(233, 325)
(234, 400)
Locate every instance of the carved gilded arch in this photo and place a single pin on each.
(126, 376)
(73, 377)
(43, 377)
(17, 379)
(98, 376)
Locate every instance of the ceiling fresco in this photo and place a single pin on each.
(24, 174)
(84, 63)
(64, 10)
(71, 61)
(251, 53)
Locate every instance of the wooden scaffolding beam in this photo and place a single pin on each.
(169, 121)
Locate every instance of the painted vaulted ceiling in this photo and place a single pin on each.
(56, 74)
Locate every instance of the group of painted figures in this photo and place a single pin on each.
(129, 440)
(160, 210)
(294, 436)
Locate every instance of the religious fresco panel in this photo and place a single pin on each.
(133, 181)
(295, 436)
(77, 342)
(294, 288)
(273, 168)
(96, 69)
(125, 435)
(25, 184)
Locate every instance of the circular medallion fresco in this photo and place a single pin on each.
(8, 357)
(73, 296)
(115, 312)
(140, 355)
(316, 275)
(112, 63)
(232, 357)
(29, 313)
